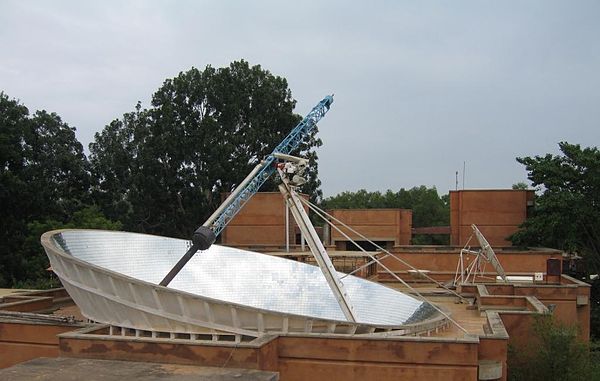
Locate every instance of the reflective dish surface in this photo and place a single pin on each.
(242, 277)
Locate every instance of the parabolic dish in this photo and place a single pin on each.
(222, 274)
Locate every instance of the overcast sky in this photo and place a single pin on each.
(419, 87)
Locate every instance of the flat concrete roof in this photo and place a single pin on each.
(67, 369)
(470, 319)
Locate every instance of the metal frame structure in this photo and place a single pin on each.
(489, 253)
(122, 301)
(119, 300)
(259, 175)
(482, 256)
(316, 246)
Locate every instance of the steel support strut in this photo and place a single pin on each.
(317, 248)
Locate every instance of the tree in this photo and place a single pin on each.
(43, 175)
(520, 186)
(33, 260)
(162, 170)
(553, 352)
(595, 311)
(13, 122)
(567, 213)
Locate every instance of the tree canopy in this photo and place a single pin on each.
(43, 175)
(163, 169)
(160, 170)
(520, 186)
(567, 212)
(553, 351)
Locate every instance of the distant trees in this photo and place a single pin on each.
(520, 186)
(429, 209)
(162, 169)
(567, 213)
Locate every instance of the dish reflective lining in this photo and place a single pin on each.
(242, 277)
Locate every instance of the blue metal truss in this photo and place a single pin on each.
(288, 145)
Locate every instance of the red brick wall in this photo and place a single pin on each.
(497, 214)
(377, 224)
(260, 222)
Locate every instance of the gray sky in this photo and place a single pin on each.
(419, 87)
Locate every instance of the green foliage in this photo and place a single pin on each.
(162, 170)
(33, 259)
(567, 213)
(42, 283)
(429, 209)
(595, 310)
(43, 175)
(520, 185)
(554, 352)
(595, 357)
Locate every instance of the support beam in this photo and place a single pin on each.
(489, 253)
(317, 248)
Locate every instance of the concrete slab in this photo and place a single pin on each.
(71, 369)
(11, 291)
